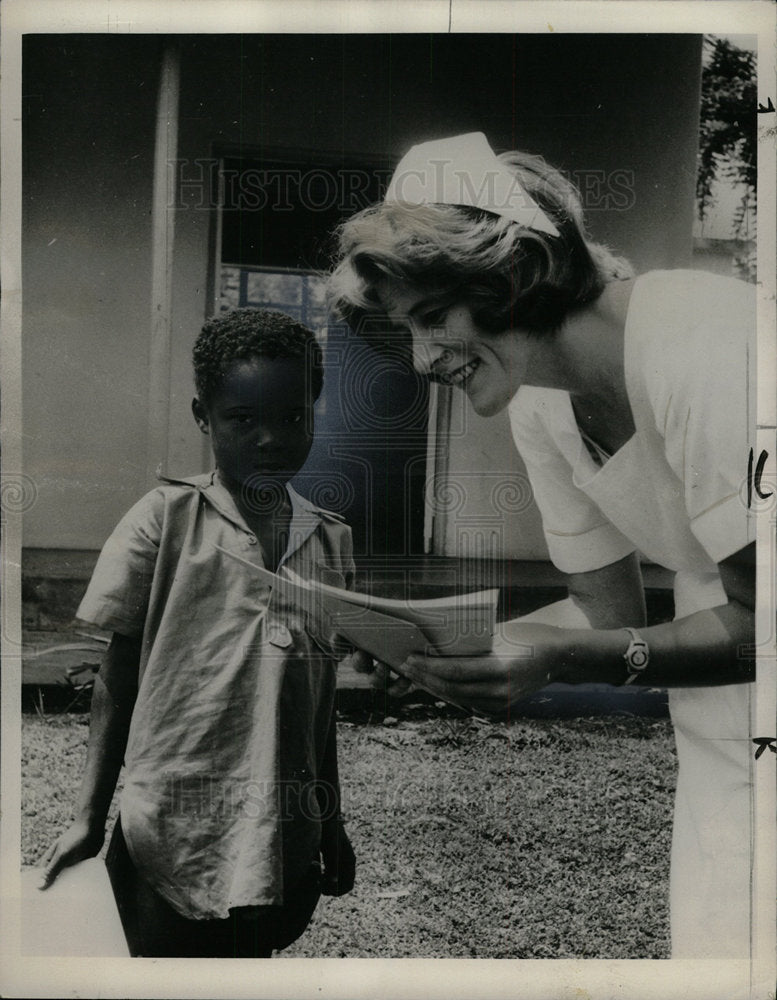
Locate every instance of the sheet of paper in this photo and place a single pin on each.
(461, 624)
(76, 916)
(390, 640)
(387, 639)
(458, 623)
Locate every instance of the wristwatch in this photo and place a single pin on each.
(637, 656)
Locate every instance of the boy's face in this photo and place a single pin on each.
(260, 422)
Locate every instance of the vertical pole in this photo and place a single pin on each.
(162, 242)
(442, 431)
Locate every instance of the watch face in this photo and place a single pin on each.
(637, 655)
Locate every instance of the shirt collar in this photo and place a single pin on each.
(305, 516)
(213, 489)
(305, 519)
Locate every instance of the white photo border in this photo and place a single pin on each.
(360, 978)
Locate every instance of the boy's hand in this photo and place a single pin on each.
(387, 680)
(79, 842)
(361, 662)
(338, 858)
(383, 677)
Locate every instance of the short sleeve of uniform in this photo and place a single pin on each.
(704, 405)
(579, 536)
(118, 593)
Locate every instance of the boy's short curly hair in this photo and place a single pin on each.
(243, 334)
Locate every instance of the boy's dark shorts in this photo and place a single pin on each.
(154, 929)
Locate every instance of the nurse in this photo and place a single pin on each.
(629, 402)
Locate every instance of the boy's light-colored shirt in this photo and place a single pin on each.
(235, 699)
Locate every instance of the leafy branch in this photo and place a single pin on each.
(728, 125)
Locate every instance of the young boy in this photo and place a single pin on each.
(217, 693)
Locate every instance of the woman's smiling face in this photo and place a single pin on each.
(449, 347)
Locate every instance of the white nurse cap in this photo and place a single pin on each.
(464, 170)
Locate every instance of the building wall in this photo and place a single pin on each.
(87, 159)
(606, 108)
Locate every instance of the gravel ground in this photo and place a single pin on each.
(530, 839)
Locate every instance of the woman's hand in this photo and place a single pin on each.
(524, 658)
(79, 842)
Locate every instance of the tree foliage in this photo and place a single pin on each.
(728, 124)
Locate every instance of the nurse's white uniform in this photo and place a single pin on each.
(676, 492)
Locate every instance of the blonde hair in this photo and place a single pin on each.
(509, 275)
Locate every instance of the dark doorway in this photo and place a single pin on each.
(273, 246)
